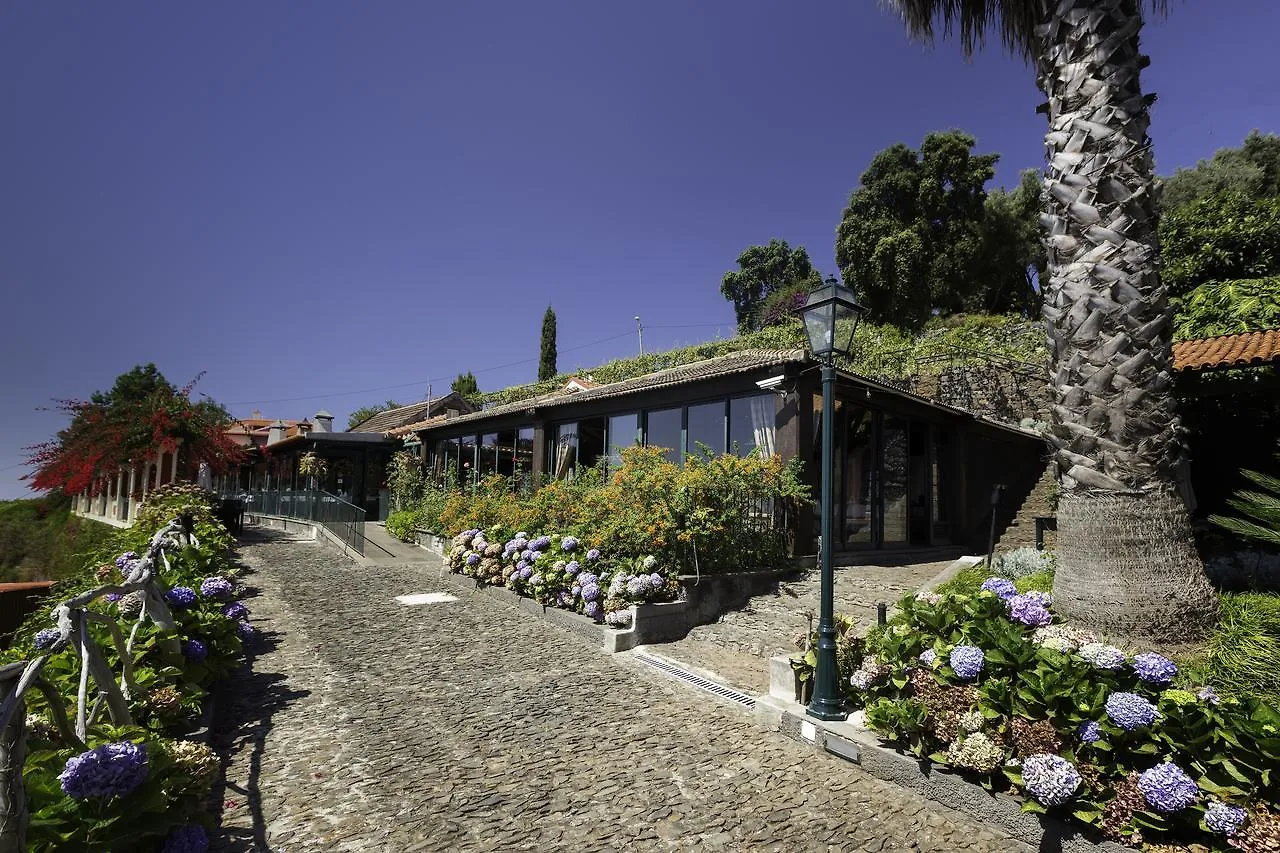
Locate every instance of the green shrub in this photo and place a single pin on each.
(1024, 561)
(1242, 658)
(403, 525)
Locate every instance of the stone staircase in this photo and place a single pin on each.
(1022, 530)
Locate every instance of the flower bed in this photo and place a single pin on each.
(139, 787)
(995, 686)
(560, 571)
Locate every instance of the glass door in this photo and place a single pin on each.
(855, 510)
(894, 486)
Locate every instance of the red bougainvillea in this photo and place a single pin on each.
(141, 415)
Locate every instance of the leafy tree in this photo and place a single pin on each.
(766, 283)
(465, 386)
(1012, 250)
(363, 413)
(1220, 238)
(1251, 170)
(1229, 307)
(141, 415)
(911, 239)
(1126, 559)
(547, 354)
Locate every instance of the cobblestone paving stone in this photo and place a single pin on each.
(366, 725)
(736, 649)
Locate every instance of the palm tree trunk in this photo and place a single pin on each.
(1126, 562)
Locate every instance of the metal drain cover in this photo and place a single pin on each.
(698, 681)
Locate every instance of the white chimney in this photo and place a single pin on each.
(276, 433)
(324, 421)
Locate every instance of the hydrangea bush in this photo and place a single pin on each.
(993, 684)
(136, 787)
(558, 572)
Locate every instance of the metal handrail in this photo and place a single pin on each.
(339, 516)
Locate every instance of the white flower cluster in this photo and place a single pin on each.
(976, 752)
(1062, 638)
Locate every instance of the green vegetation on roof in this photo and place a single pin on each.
(879, 350)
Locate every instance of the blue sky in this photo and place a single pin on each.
(342, 202)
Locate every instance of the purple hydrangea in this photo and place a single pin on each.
(575, 590)
(592, 609)
(587, 577)
(526, 555)
(1167, 788)
(1208, 696)
(181, 596)
(1040, 597)
(1001, 587)
(1051, 779)
(235, 610)
(473, 559)
(525, 573)
(568, 543)
(1224, 819)
(656, 580)
(593, 554)
(112, 597)
(111, 770)
(46, 637)
(1028, 610)
(928, 656)
(967, 661)
(590, 592)
(219, 589)
(1102, 656)
(637, 585)
(564, 599)
(1130, 711)
(520, 543)
(1089, 732)
(540, 544)
(186, 839)
(572, 568)
(1154, 669)
(123, 561)
(195, 651)
(246, 632)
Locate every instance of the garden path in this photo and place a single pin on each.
(736, 649)
(470, 725)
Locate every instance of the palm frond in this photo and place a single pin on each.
(1016, 20)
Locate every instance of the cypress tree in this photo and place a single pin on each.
(547, 358)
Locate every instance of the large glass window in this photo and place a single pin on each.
(524, 456)
(752, 424)
(564, 454)
(467, 460)
(624, 431)
(506, 452)
(488, 455)
(664, 428)
(706, 429)
(590, 441)
(449, 457)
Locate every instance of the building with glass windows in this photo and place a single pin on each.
(910, 472)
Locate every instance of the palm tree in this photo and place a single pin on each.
(1126, 559)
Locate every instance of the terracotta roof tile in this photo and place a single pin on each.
(1243, 350)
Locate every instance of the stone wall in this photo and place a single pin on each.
(991, 391)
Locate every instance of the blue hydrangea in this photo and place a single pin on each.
(1224, 819)
(1102, 656)
(928, 656)
(1130, 711)
(656, 580)
(181, 596)
(587, 577)
(568, 543)
(525, 573)
(1028, 610)
(195, 651)
(520, 543)
(1040, 597)
(540, 544)
(246, 632)
(46, 637)
(1167, 788)
(593, 554)
(526, 555)
(235, 610)
(112, 597)
(1051, 779)
(575, 590)
(572, 568)
(186, 839)
(1089, 732)
(1154, 669)
(967, 661)
(111, 770)
(1001, 587)
(124, 560)
(590, 592)
(592, 609)
(219, 589)
(637, 586)
(473, 559)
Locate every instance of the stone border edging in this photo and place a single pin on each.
(861, 746)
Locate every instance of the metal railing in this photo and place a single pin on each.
(343, 519)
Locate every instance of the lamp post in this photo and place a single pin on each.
(830, 318)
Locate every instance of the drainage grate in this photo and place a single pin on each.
(697, 681)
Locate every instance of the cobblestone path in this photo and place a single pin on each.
(736, 650)
(366, 725)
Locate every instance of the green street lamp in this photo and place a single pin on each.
(830, 317)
